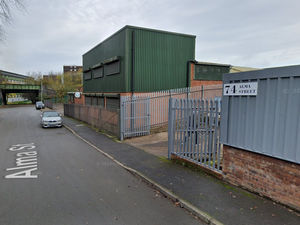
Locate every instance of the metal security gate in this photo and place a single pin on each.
(194, 131)
(135, 117)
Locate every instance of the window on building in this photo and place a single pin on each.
(112, 103)
(210, 72)
(88, 100)
(112, 68)
(87, 75)
(100, 101)
(93, 99)
(98, 72)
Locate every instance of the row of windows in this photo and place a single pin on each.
(94, 101)
(206, 69)
(104, 70)
(14, 82)
(209, 72)
(111, 102)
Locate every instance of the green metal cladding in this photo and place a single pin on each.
(111, 47)
(158, 58)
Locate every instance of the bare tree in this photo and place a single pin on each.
(6, 7)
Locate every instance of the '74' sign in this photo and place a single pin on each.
(236, 89)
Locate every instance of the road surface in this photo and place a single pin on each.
(48, 176)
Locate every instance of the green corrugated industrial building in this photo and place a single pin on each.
(137, 59)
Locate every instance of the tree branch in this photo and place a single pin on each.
(6, 7)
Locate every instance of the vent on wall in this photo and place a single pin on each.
(108, 67)
(112, 68)
(87, 75)
(98, 72)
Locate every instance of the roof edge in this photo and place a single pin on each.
(211, 64)
(159, 31)
(138, 28)
(15, 74)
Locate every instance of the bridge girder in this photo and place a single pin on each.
(17, 88)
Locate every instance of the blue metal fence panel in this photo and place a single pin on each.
(194, 132)
(268, 123)
(135, 117)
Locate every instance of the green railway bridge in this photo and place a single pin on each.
(17, 88)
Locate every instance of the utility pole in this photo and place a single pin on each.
(42, 88)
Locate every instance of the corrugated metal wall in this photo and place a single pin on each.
(111, 47)
(268, 123)
(161, 60)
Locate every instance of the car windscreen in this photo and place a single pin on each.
(50, 114)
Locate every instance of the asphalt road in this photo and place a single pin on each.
(60, 180)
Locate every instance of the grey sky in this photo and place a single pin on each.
(53, 33)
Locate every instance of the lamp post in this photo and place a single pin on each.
(42, 88)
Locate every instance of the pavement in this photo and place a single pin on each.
(213, 200)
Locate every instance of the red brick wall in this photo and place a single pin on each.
(104, 119)
(274, 178)
(79, 100)
(205, 82)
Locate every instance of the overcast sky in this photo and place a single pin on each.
(53, 33)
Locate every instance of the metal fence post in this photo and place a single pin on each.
(148, 116)
(122, 118)
(171, 127)
(132, 113)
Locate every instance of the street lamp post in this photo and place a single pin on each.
(42, 88)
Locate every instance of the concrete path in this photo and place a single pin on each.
(156, 144)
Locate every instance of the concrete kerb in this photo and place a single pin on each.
(167, 193)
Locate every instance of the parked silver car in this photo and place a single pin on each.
(51, 119)
(39, 105)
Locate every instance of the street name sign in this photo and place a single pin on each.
(240, 89)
